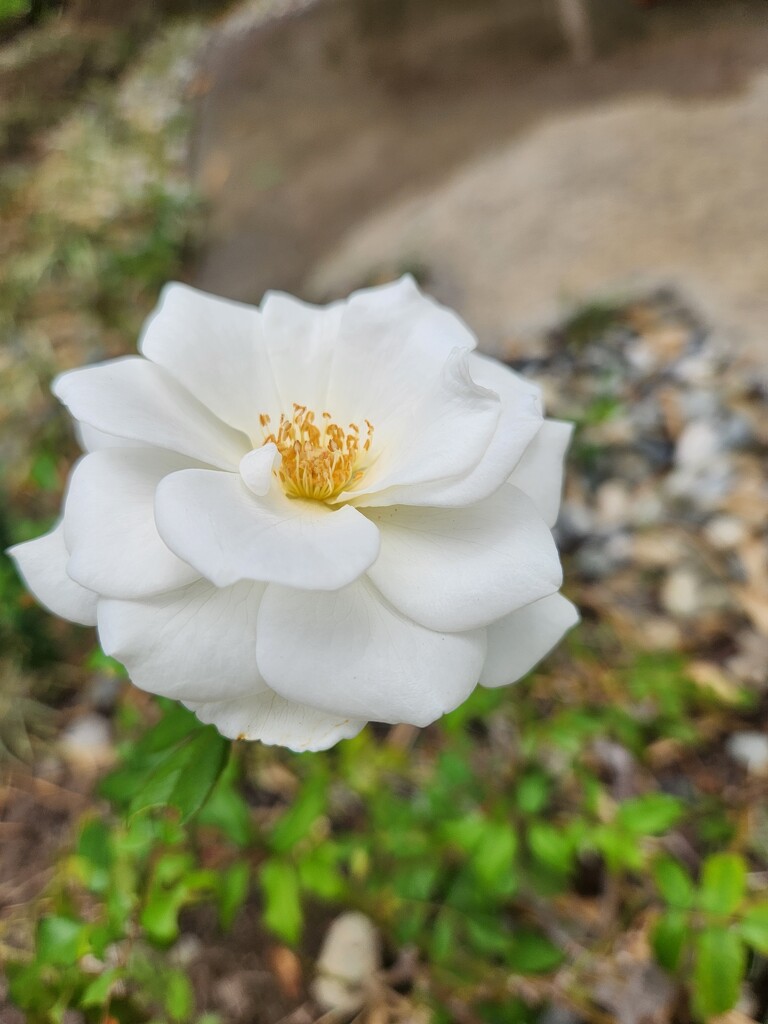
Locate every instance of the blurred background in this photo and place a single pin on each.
(584, 181)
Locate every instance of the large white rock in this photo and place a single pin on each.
(630, 193)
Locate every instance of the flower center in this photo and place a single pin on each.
(318, 460)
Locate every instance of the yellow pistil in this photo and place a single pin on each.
(319, 461)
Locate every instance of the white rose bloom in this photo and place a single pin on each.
(296, 519)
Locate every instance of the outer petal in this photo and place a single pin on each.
(516, 643)
(519, 421)
(92, 440)
(135, 399)
(198, 643)
(215, 348)
(109, 523)
(540, 471)
(42, 564)
(457, 569)
(349, 653)
(212, 521)
(440, 434)
(273, 720)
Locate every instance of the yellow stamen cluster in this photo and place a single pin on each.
(318, 460)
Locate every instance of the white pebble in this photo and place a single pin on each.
(750, 750)
(87, 742)
(725, 532)
(680, 593)
(697, 445)
(348, 962)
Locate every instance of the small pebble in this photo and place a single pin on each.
(680, 593)
(87, 743)
(750, 750)
(698, 444)
(657, 550)
(185, 950)
(347, 964)
(612, 505)
(725, 532)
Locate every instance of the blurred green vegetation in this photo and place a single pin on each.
(478, 843)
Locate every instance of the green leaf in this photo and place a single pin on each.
(319, 872)
(442, 943)
(674, 883)
(753, 928)
(488, 936)
(185, 777)
(179, 997)
(416, 881)
(298, 820)
(44, 470)
(60, 941)
(533, 953)
(95, 854)
(160, 916)
(176, 725)
(649, 815)
(620, 849)
(282, 912)
(233, 891)
(14, 8)
(720, 961)
(723, 883)
(465, 833)
(551, 846)
(99, 991)
(669, 937)
(493, 860)
(26, 989)
(532, 792)
(226, 809)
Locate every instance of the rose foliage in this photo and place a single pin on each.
(296, 519)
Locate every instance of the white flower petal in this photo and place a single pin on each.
(42, 564)
(519, 421)
(92, 440)
(436, 437)
(457, 569)
(212, 521)
(135, 399)
(109, 523)
(256, 469)
(391, 341)
(215, 348)
(517, 642)
(273, 720)
(539, 473)
(350, 653)
(197, 643)
(299, 345)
